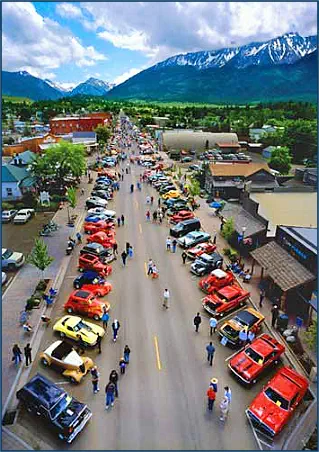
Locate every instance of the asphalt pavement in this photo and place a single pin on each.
(162, 397)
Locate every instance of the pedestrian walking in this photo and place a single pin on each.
(122, 365)
(127, 247)
(95, 379)
(227, 394)
(160, 218)
(210, 353)
(79, 237)
(81, 344)
(211, 396)
(154, 272)
(126, 354)
(159, 202)
(197, 321)
(130, 252)
(122, 177)
(114, 378)
(122, 219)
(115, 327)
(274, 315)
(261, 297)
(174, 244)
(168, 244)
(105, 318)
(149, 267)
(148, 200)
(27, 354)
(224, 409)
(154, 216)
(215, 239)
(166, 297)
(115, 249)
(251, 337)
(184, 257)
(243, 336)
(124, 257)
(148, 215)
(99, 343)
(213, 384)
(152, 200)
(212, 325)
(82, 191)
(119, 221)
(109, 393)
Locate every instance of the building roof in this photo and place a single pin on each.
(242, 219)
(307, 236)
(12, 173)
(237, 169)
(179, 139)
(84, 135)
(26, 156)
(228, 145)
(282, 268)
(298, 209)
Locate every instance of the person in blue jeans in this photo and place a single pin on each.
(126, 354)
(109, 393)
(16, 354)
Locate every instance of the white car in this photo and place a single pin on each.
(100, 210)
(11, 259)
(23, 216)
(7, 215)
(95, 201)
(4, 277)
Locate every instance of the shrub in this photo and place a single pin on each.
(228, 229)
(41, 286)
(7, 206)
(20, 205)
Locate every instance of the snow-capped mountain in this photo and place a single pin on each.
(58, 86)
(92, 87)
(286, 49)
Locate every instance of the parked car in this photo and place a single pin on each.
(101, 210)
(176, 209)
(171, 194)
(52, 404)
(23, 216)
(94, 201)
(105, 226)
(249, 364)
(71, 326)
(272, 408)
(192, 238)
(225, 299)
(201, 248)
(12, 259)
(172, 202)
(84, 302)
(103, 194)
(186, 159)
(90, 262)
(194, 167)
(206, 263)
(184, 227)
(247, 318)
(62, 357)
(92, 282)
(216, 280)
(8, 215)
(166, 189)
(4, 277)
(103, 238)
(182, 215)
(106, 255)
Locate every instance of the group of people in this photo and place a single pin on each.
(128, 252)
(171, 245)
(225, 402)
(17, 354)
(152, 269)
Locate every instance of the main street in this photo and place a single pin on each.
(162, 397)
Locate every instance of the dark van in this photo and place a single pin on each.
(184, 227)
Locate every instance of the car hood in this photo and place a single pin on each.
(268, 412)
(198, 265)
(245, 365)
(71, 413)
(15, 256)
(73, 359)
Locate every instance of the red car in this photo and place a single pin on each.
(215, 280)
(275, 404)
(201, 248)
(181, 216)
(90, 262)
(99, 290)
(105, 226)
(225, 299)
(106, 239)
(84, 302)
(251, 362)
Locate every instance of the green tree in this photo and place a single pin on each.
(311, 334)
(228, 229)
(281, 160)
(103, 134)
(193, 187)
(11, 124)
(39, 256)
(8, 140)
(71, 198)
(301, 138)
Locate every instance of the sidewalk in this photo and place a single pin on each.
(22, 287)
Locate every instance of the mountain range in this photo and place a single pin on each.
(283, 68)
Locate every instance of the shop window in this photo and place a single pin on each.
(9, 191)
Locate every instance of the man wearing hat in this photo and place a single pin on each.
(213, 383)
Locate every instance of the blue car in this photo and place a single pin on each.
(95, 218)
(87, 278)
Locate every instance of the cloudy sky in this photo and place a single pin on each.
(70, 42)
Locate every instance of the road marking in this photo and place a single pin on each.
(136, 203)
(145, 268)
(140, 228)
(159, 366)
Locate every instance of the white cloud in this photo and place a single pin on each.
(126, 75)
(68, 10)
(30, 40)
(68, 85)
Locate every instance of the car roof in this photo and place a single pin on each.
(284, 385)
(218, 273)
(45, 390)
(247, 317)
(82, 293)
(229, 291)
(71, 320)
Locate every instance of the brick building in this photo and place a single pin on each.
(70, 124)
(30, 144)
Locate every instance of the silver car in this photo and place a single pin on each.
(12, 259)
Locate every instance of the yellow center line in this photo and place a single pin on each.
(145, 268)
(136, 203)
(140, 228)
(159, 366)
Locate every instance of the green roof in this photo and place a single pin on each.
(12, 173)
(27, 156)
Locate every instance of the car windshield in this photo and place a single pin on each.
(254, 355)
(7, 254)
(82, 326)
(277, 398)
(60, 406)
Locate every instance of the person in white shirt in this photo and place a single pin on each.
(168, 244)
(166, 298)
(227, 393)
(213, 325)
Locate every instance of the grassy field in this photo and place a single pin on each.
(17, 100)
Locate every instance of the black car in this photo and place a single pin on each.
(171, 202)
(106, 255)
(177, 208)
(101, 194)
(101, 186)
(66, 415)
(167, 188)
(206, 263)
(87, 278)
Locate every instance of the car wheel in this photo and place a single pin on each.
(81, 270)
(29, 410)
(221, 314)
(96, 317)
(276, 362)
(98, 294)
(77, 286)
(11, 267)
(69, 310)
(73, 380)
(241, 304)
(62, 335)
(45, 362)
(254, 381)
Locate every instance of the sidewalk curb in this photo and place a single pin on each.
(17, 438)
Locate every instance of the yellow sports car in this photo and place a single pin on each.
(73, 327)
(171, 194)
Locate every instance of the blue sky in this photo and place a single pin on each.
(70, 42)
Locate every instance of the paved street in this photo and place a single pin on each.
(158, 408)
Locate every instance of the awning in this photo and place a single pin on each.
(282, 268)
